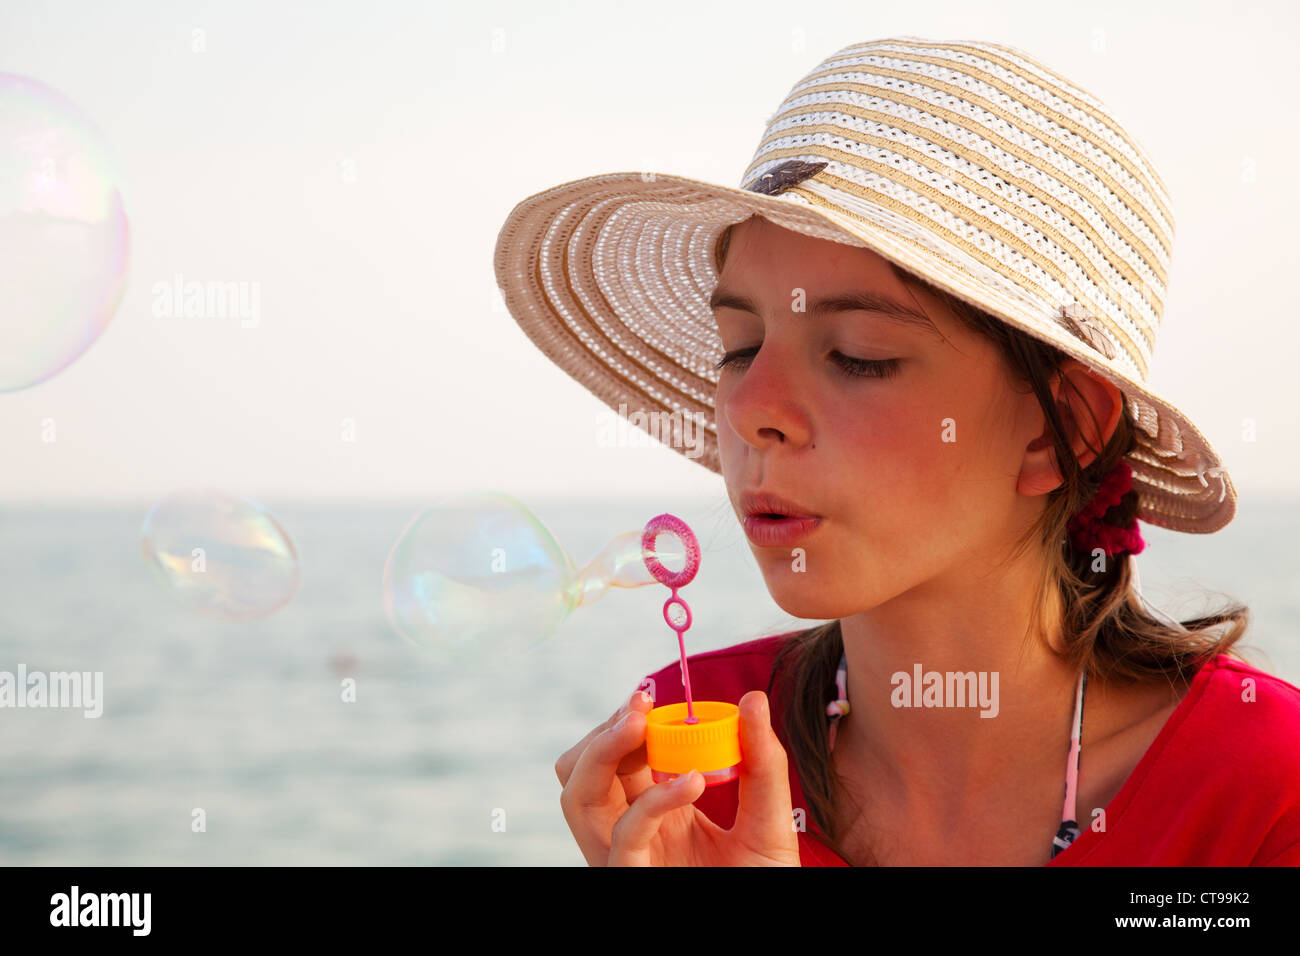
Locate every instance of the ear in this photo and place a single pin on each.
(1101, 400)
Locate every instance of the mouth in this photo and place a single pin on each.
(778, 531)
(772, 521)
(769, 505)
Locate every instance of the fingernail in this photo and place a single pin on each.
(683, 779)
(646, 698)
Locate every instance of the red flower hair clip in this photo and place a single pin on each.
(1089, 531)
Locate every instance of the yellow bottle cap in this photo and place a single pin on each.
(674, 746)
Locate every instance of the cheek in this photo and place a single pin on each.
(890, 448)
(911, 468)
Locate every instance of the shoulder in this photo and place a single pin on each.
(1247, 717)
(725, 674)
(1244, 728)
(1256, 711)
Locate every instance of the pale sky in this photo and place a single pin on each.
(356, 161)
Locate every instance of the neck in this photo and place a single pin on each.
(948, 758)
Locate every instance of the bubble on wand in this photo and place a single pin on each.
(479, 575)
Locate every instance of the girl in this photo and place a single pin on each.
(919, 336)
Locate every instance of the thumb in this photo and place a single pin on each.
(764, 797)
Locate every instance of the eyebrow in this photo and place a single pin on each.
(849, 302)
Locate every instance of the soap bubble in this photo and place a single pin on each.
(223, 556)
(63, 233)
(479, 575)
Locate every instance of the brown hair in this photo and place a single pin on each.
(1105, 627)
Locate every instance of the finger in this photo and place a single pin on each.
(634, 772)
(633, 769)
(593, 800)
(635, 831)
(594, 773)
(764, 797)
(639, 701)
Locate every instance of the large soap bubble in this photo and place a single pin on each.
(63, 233)
(223, 556)
(479, 574)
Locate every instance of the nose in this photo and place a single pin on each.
(764, 406)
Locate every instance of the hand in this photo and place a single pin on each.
(621, 817)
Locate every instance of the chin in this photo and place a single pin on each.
(799, 596)
(806, 595)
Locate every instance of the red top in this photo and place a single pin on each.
(1219, 786)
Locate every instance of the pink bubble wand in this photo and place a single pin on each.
(671, 524)
(699, 736)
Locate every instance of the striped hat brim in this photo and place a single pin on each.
(610, 276)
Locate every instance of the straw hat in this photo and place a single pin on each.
(966, 163)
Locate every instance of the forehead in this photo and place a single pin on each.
(756, 243)
(765, 262)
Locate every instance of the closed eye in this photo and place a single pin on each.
(847, 365)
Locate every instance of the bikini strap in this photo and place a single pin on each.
(1069, 829)
(840, 706)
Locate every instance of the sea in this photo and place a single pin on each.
(231, 743)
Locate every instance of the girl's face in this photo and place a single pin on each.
(912, 464)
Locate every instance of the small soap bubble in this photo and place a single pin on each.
(677, 615)
(63, 233)
(223, 556)
(479, 575)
